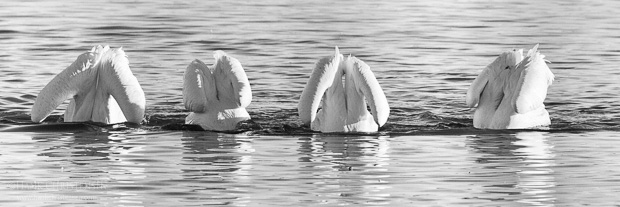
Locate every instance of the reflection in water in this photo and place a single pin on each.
(202, 168)
(365, 157)
(537, 178)
(218, 164)
(516, 166)
(136, 170)
(226, 151)
(104, 160)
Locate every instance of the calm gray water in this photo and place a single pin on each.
(424, 54)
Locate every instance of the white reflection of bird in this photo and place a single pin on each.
(509, 93)
(344, 105)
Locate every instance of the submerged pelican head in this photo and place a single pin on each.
(217, 95)
(101, 88)
(345, 85)
(509, 92)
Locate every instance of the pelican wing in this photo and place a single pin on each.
(506, 60)
(116, 78)
(64, 86)
(322, 78)
(232, 69)
(535, 77)
(475, 90)
(368, 84)
(194, 93)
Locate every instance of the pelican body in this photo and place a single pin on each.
(216, 95)
(509, 92)
(344, 106)
(101, 88)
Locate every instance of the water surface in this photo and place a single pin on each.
(201, 168)
(424, 54)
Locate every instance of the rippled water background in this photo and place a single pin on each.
(424, 54)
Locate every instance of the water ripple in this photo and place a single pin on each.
(424, 54)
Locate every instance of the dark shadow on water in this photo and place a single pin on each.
(285, 122)
(52, 127)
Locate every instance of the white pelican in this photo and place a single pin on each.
(509, 93)
(344, 105)
(101, 88)
(216, 95)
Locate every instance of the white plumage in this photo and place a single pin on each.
(216, 95)
(509, 93)
(344, 106)
(101, 88)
